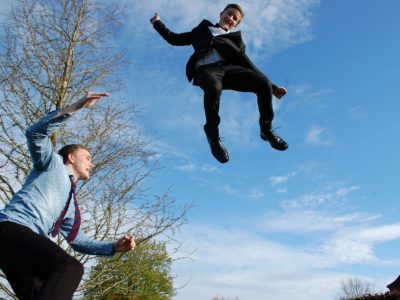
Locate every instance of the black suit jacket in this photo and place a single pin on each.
(230, 46)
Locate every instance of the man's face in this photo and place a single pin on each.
(81, 163)
(229, 18)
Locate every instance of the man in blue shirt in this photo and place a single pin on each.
(35, 266)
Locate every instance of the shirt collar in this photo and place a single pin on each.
(217, 26)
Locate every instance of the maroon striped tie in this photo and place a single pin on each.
(77, 218)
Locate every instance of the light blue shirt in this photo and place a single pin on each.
(43, 196)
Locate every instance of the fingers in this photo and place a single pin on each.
(132, 242)
(91, 98)
(127, 243)
(103, 94)
(280, 92)
(155, 18)
(128, 239)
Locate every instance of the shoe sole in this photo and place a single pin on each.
(276, 148)
(222, 161)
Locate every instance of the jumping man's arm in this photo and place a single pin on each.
(175, 39)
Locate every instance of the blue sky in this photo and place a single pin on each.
(281, 225)
(268, 224)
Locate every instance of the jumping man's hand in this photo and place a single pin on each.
(155, 18)
(279, 92)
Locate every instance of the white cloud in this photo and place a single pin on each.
(277, 25)
(278, 179)
(268, 25)
(349, 251)
(294, 252)
(326, 210)
(333, 195)
(314, 135)
(282, 190)
(264, 285)
(376, 234)
(188, 168)
(235, 262)
(356, 245)
(308, 201)
(306, 91)
(165, 149)
(256, 194)
(209, 168)
(307, 98)
(237, 248)
(230, 190)
(309, 221)
(252, 193)
(319, 136)
(342, 192)
(309, 169)
(357, 112)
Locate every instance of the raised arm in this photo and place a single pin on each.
(38, 135)
(87, 100)
(175, 39)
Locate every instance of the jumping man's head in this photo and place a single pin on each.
(231, 16)
(78, 159)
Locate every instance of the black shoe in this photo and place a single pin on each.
(275, 140)
(218, 150)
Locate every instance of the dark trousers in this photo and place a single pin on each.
(215, 78)
(36, 267)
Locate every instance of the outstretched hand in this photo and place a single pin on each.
(87, 100)
(90, 98)
(124, 244)
(279, 92)
(155, 18)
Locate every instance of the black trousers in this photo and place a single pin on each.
(215, 78)
(36, 267)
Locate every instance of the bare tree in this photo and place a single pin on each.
(353, 288)
(53, 51)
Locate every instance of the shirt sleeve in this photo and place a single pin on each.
(86, 245)
(38, 139)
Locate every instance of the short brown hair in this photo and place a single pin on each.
(70, 149)
(235, 6)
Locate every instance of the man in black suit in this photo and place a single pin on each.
(219, 62)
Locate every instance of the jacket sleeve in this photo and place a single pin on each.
(38, 139)
(175, 39)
